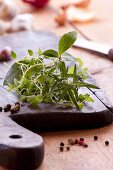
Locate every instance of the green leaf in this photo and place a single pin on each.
(81, 97)
(63, 70)
(66, 41)
(80, 105)
(79, 60)
(74, 75)
(39, 52)
(30, 52)
(82, 84)
(88, 98)
(13, 55)
(15, 72)
(73, 98)
(50, 53)
(34, 100)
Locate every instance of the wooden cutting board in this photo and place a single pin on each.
(21, 148)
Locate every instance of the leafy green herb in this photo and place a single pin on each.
(13, 54)
(30, 52)
(49, 77)
(66, 41)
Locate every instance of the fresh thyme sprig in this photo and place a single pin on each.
(48, 77)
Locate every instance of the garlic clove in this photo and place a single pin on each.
(22, 22)
(79, 14)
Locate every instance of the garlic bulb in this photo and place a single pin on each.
(22, 22)
(8, 9)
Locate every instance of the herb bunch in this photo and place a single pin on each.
(48, 77)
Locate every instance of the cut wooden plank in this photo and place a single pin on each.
(45, 117)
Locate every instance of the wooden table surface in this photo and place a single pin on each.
(97, 155)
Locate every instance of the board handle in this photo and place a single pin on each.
(110, 54)
(19, 147)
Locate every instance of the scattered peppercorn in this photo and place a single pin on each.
(81, 139)
(1, 109)
(67, 148)
(85, 145)
(106, 143)
(8, 107)
(80, 142)
(61, 144)
(13, 111)
(76, 141)
(71, 141)
(17, 103)
(61, 148)
(17, 107)
(95, 137)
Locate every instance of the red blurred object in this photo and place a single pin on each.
(37, 3)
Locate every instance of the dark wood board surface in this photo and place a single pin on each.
(45, 117)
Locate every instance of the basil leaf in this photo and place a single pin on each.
(50, 53)
(15, 72)
(66, 41)
(13, 55)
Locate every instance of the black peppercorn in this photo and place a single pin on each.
(85, 145)
(106, 143)
(8, 107)
(17, 103)
(95, 137)
(13, 111)
(61, 148)
(1, 109)
(67, 148)
(61, 144)
(76, 141)
(81, 139)
(71, 141)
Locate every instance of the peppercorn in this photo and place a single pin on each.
(85, 145)
(95, 137)
(80, 142)
(81, 139)
(61, 144)
(76, 141)
(17, 107)
(61, 148)
(71, 141)
(13, 111)
(67, 148)
(17, 103)
(1, 109)
(106, 143)
(8, 107)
